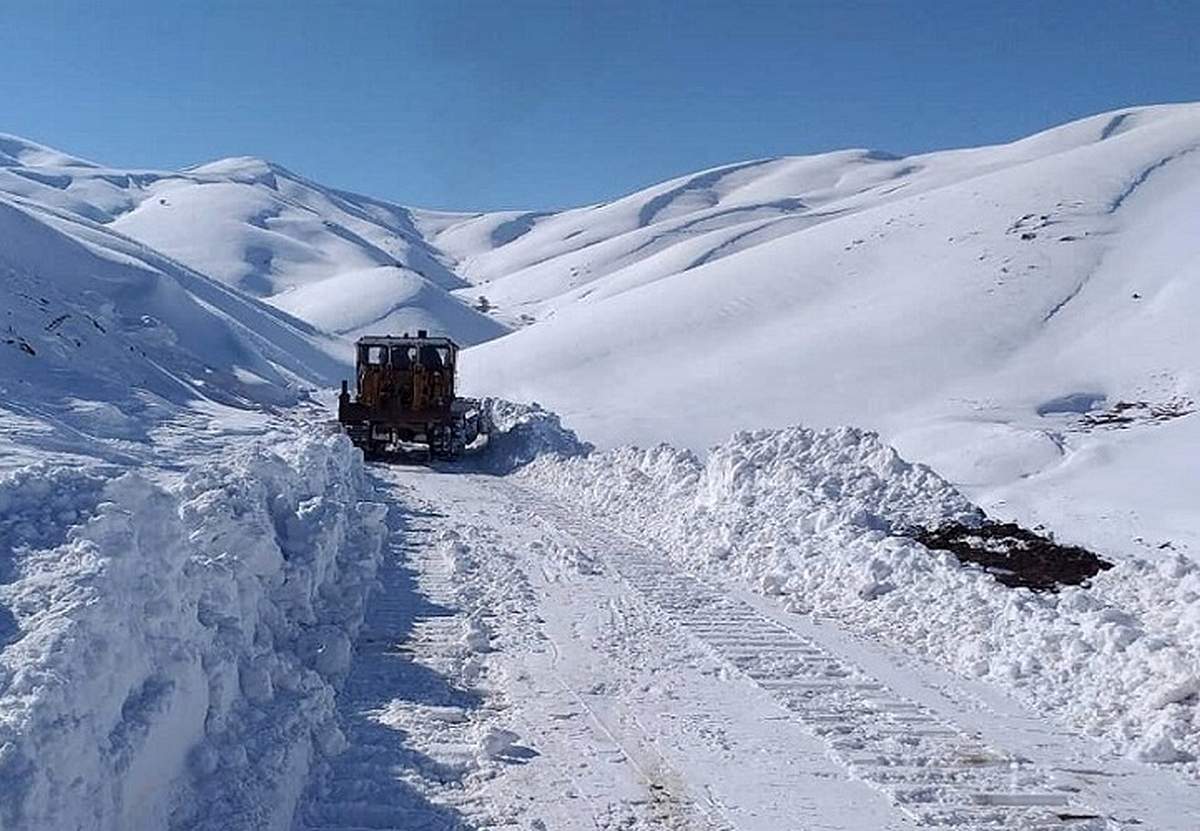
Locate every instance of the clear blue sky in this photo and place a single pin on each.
(482, 105)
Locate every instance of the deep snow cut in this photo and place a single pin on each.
(170, 656)
(952, 301)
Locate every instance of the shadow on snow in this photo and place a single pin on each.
(376, 781)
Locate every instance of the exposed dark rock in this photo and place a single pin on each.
(1015, 556)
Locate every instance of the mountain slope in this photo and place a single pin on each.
(106, 339)
(987, 310)
(539, 261)
(263, 230)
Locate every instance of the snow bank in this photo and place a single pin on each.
(170, 655)
(814, 517)
(521, 433)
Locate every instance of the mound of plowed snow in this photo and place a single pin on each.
(521, 433)
(169, 657)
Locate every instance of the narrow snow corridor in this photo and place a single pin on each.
(524, 667)
(376, 781)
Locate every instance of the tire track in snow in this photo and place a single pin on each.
(662, 743)
(425, 697)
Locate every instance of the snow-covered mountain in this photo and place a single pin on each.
(1018, 316)
(345, 263)
(997, 312)
(134, 297)
(104, 338)
(213, 615)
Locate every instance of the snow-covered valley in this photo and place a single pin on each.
(213, 614)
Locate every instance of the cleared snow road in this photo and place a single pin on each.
(524, 667)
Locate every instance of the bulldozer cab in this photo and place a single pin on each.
(405, 375)
(404, 394)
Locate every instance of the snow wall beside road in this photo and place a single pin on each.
(170, 656)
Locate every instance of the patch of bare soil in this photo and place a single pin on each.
(1125, 414)
(1015, 556)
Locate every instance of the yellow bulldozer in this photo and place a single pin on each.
(405, 400)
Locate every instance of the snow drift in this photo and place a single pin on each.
(521, 433)
(170, 655)
(815, 517)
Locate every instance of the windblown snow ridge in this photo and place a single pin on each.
(817, 518)
(169, 657)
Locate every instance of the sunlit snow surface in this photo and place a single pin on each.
(941, 299)
(185, 555)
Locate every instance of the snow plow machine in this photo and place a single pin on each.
(404, 400)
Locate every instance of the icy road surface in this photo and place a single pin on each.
(524, 667)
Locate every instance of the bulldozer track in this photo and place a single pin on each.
(936, 772)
